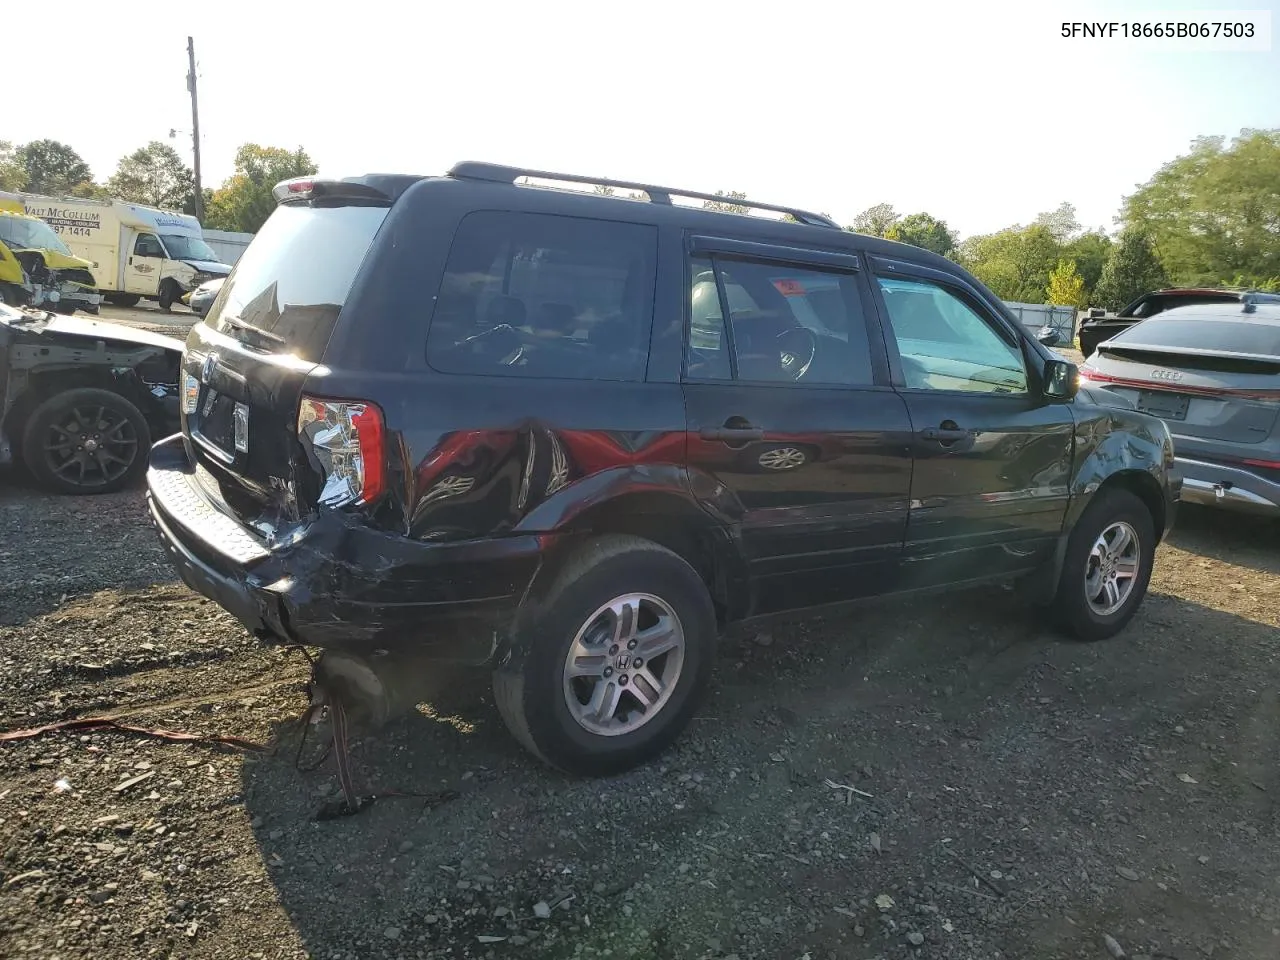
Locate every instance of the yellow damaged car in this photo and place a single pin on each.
(37, 269)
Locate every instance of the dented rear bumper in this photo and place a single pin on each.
(341, 585)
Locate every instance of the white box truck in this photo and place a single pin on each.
(137, 252)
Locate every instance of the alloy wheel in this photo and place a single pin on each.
(90, 445)
(623, 665)
(1112, 569)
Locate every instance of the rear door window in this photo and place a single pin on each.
(289, 285)
(533, 295)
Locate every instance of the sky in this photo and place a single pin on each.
(979, 113)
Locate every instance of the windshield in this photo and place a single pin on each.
(188, 248)
(26, 233)
(293, 279)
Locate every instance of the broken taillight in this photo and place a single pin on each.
(347, 439)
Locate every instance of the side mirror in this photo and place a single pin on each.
(1061, 379)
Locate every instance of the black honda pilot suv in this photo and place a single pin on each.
(571, 436)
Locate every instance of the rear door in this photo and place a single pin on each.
(794, 434)
(992, 458)
(246, 362)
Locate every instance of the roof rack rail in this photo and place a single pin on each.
(497, 173)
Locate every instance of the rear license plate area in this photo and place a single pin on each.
(1166, 406)
(217, 422)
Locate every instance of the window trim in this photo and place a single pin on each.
(710, 246)
(970, 297)
(839, 264)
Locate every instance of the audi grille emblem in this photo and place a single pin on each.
(206, 371)
(1165, 375)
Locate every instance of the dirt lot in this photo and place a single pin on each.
(1021, 796)
(148, 315)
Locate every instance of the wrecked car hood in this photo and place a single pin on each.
(210, 266)
(57, 261)
(40, 323)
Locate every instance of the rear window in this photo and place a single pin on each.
(1243, 336)
(294, 278)
(534, 295)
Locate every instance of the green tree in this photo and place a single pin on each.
(922, 230)
(874, 221)
(1066, 286)
(189, 205)
(1214, 213)
(1015, 262)
(1090, 251)
(244, 201)
(727, 205)
(53, 167)
(89, 190)
(13, 173)
(1061, 222)
(154, 175)
(1132, 269)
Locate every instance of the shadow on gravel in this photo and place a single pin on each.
(1243, 540)
(1126, 788)
(55, 547)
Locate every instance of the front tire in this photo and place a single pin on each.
(86, 441)
(1107, 566)
(572, 692)
(169, 295)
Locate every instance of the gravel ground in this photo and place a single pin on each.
(1009, 794)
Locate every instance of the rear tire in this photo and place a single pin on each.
(123, 299)
(1099, 548)
(550, 711)
(97, 428)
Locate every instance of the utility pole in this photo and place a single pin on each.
(195, 125)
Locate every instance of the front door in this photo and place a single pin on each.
(794, 435)
(992, 457)
(144, 265)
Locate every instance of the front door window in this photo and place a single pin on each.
(945, 345)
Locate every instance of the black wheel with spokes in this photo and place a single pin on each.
(86, 440)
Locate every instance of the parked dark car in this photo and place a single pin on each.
(81, 400)
(1101, 326)
(570, 437)
(1212, 373)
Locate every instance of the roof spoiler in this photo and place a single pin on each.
(308, 189)
(496, 173)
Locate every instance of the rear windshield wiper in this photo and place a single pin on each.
(250, 328)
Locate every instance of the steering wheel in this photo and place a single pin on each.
(796, 363)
